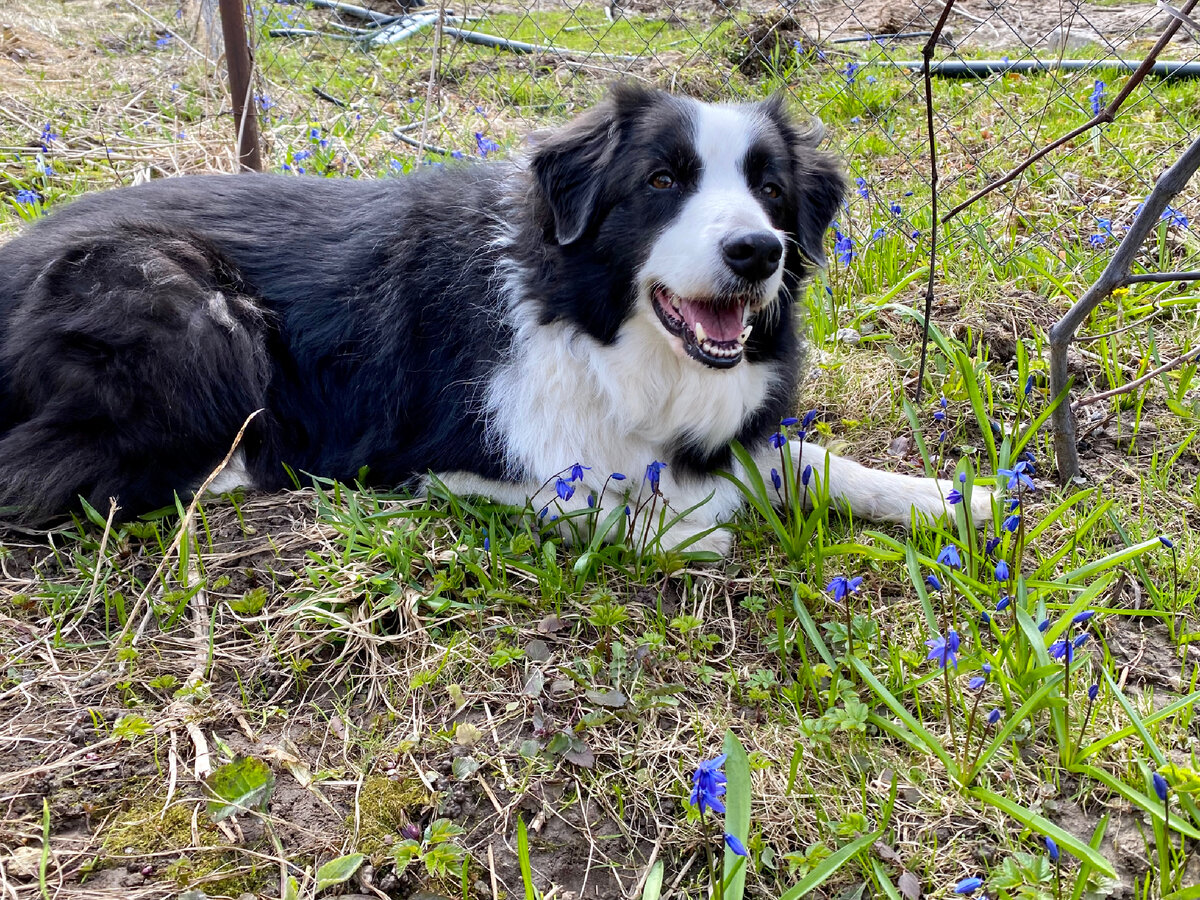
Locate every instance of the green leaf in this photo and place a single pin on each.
(737, 809)
(828, 866)
(1140, 799)
(523, 860)
(291, 888)
(1046, 828)
(931, 743)
(240, 786)
(339, 870)
(981, 414)
(654, 880)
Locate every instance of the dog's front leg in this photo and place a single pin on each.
(870, 493)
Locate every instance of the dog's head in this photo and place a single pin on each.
(706, 216)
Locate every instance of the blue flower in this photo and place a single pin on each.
(977, 683)
(735, 845)
(778, 440)
(939, 416)
(850, 72)
(564, 489)
(788, 422)
(944, 651)
(895, 209)
(1166, 542)
(1063, 650)
(954, 497)
(1004, 603)
(487, 543)
(993, 717)
(1002, 572)
(806, 476)
(485, 145)
(1028, 385)
(1081, 639)
(862, 186)
(1043, 625)
(841, 586)
(943, 402)
(870, 79)
(948, 556)
(989, 547)
(986, 668)
(1018, 475)
(617, 476)
(1011, 523)
(1081, 617)
(1052, 849)
(26, 197)
(932, 581)
(1097, 240)
(775, 479)
(48, 136)
(1160, 786)
(843, 246)
(968, 886)
(809, 418)
(1097, 97)
(577, 472)
(878, 234)
(1093, 692)
(591, 501)
(654, 473)
(985, 619)
(1174, 217)
(163, 42)
(708, 785)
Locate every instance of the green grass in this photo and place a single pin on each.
(486, 669)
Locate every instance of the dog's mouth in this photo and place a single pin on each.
(713, 329)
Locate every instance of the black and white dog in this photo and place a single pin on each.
(624, 294)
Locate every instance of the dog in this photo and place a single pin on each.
(621, 296)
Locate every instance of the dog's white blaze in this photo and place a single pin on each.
(686, 256)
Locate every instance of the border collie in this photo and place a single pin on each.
(624, 294)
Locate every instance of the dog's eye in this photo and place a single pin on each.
(662, 181)
(771, 191)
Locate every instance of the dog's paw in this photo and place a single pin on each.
(718, 541)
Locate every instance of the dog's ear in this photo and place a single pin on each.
(817, 179)
(820, 187)
(568, 166)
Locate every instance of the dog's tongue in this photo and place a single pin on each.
(720, 324)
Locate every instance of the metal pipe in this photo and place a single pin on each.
(966, 68)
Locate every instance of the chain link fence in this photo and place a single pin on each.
(376, 88)
(350, 89)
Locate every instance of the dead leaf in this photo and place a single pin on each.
(910, 886)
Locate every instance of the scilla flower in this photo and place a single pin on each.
(708, 785)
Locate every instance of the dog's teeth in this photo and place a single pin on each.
(745, 335)
(701, 334)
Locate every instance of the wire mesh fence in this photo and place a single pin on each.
(376, 88)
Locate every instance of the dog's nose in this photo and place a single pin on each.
(754, 255)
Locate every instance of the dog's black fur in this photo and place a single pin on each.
(140, 327)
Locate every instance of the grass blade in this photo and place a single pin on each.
(829, 866)
(1046, 828)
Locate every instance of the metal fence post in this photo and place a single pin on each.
(237, 58)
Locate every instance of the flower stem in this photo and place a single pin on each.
(949, 714)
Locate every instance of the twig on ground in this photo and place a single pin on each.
(1104, 117)
(1115, 275)
(926, 57)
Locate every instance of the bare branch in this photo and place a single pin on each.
(1138, 382)
(1115, 275)
(1105, 117)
